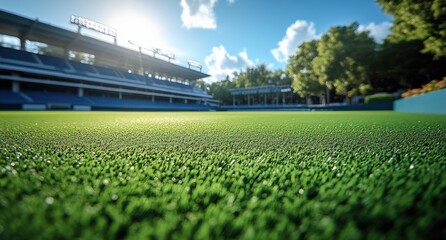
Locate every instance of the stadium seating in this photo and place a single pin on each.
(82, 68)
(17, 55)
(128, 76)
(19, 59)
(106, 71)
(108, 102)
(96, 102)
(57, 63)
(9, 97)
(77, 68)
(53, 97)
(40, 69)
(139, 77)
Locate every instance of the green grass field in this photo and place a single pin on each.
(211, 175)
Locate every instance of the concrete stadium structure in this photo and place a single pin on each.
(78, 72)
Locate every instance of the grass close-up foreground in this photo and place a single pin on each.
(228, 175)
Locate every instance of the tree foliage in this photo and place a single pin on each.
(423, 20)
(344, 57)
(250, 77)
(402, 65)
(351, 63)
(221, 91)
(341, 59)
(300, 66)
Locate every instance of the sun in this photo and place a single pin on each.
(138, 28)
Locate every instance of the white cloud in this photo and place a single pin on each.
(198, 14)
(299, 32)
(221, 64)
(230, 2)
(377, 31)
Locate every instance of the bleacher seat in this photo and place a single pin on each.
(9, 97)
(128, 76)
(17, 60)
(109, 102)
(106, 71)
(82, 68)
(58, 63)
(53, 97)
(17, 55)
(139, 77)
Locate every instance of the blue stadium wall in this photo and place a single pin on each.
(432, 102)
(305, 107)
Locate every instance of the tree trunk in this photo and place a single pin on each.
(309, 102)
(321, 98)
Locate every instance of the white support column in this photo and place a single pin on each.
(170, 100)
(153, 98)
(80, 92)
(120, 95)
(185, 101)
(15, 86)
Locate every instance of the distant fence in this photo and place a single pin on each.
(432, 102)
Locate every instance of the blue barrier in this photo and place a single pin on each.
(432, 102)
(305, 107)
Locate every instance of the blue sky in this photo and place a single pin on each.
(224, 35)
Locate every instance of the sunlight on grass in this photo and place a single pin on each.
(221, 175)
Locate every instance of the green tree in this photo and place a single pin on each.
(255, 76)
(280, 77)
(423, 20)
(252, 77)
(203, 85)
(221, 91)
(300, 66)
(401, 65)
(344, 59)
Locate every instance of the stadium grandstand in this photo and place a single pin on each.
(262, 95)
(281, 97)
(68, 70)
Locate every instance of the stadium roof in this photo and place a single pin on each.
(34, 30)
(261, 90)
